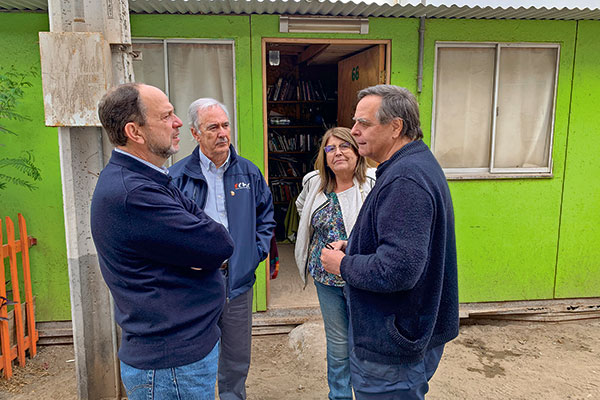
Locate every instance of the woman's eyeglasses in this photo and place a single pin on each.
(342, 146)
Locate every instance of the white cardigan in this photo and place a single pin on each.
(311, 198)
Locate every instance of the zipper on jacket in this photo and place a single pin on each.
(194, 196)
(322, 206)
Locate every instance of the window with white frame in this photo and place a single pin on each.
(187, 70)
(493, 110)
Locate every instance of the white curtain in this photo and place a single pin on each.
(200, 70)
(194, 70)
(463, 102)
(525, 99)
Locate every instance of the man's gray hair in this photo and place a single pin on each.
(396, 102)
(203, 104)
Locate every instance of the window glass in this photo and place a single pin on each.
(150, 67)
(494, 107)
(464, 94)
(199, 70)
(193, 70)
(525, 99)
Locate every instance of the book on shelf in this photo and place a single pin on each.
(322, 91)
(283, 165)
(286, 89)
(300, 142)
(277, 88)
(314, 95)
(284, 191)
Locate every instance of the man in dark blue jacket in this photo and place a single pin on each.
(232, 191)
(159, 253)
(400, 261)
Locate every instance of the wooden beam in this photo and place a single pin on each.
(313, 41)
(288, 49)
(311, 52)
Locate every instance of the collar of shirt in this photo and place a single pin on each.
(160, 169)
(208, 165)
(215, 206)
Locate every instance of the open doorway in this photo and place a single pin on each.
(309, 86)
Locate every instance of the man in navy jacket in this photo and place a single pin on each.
(400, 261)
(232, 191)
(159, 253)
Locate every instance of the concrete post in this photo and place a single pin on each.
(83, 153)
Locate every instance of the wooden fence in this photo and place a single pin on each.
(22, 315)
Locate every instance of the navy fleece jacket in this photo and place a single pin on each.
(400, 267)
(149, 236)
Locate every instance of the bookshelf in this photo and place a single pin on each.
(301, 106)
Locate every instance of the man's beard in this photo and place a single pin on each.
(161, 150)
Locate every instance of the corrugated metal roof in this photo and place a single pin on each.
(389, 8)
(25, 5)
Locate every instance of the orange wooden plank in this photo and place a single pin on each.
(24, 241)
(5, 359)
(16, 297)
(12, 350)
(5, 249)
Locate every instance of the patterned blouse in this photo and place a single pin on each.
(328, 226)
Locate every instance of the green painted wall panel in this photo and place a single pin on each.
(578, 271)
(507, 230)
(42, 208)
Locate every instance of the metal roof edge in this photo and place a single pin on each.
(381, 8)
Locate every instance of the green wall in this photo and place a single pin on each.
(578, 270)
(42, 208)
(507, 230)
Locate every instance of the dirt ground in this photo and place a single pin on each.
(489, 360)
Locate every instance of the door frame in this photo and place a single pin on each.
(264, 42)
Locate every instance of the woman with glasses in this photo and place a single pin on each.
(328, 205)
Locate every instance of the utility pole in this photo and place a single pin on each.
(87, 50)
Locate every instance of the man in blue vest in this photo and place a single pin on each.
(400, 261)
(159, 253)
(232, 191)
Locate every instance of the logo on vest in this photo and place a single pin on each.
(241, 185)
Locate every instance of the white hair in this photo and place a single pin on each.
(203, 104)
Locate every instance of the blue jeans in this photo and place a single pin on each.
(335, 318)
(409, 381)
(195, 381)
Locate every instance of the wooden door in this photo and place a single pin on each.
(357, 72)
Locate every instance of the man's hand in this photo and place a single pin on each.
(331, 256)
(339, 245)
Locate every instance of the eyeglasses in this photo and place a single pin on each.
(342, 146)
